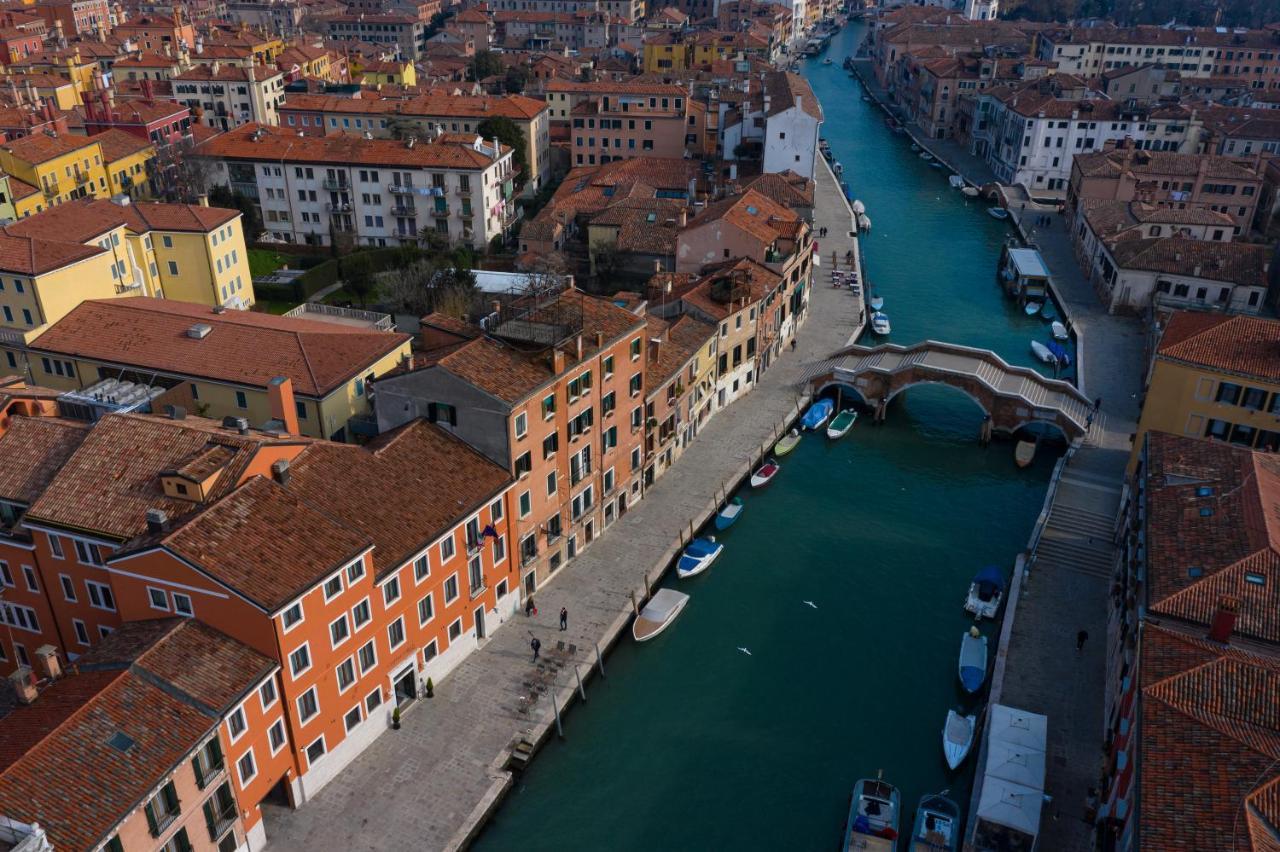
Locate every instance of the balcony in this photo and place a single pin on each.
(402, 209)
(336, 185)
(81, 178)
(51, 189)
(219, 820)
(440, 210)
(467, 213)
(463, 191)
(400, 189)
(338, 208)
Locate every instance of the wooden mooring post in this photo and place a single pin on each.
(600, 661)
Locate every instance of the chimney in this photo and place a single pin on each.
(599, 339)
(283, 407)
(557, 361)
(280, 471)
(157, 521)
(1224, 620)
(655, 349)
(577, 347)
(50, 665)
(175, 412)
(23, 684)
(202, 200)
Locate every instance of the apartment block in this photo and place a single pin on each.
(680, 386)
(369, 191)
(59, 168)
(225, 96)
(406, 34)
(613, 121)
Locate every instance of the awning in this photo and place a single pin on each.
(1011, 805)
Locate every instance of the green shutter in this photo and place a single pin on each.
(184, 845)
(151, 820)
(215, 754)
(198, 770)
(171, 798)
(114, 845)
(209, 820)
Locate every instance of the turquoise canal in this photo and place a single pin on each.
(692, 744)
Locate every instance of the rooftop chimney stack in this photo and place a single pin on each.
(280, 471)
(24, 685)
(50, 665)
(157, 521)
(1224, 620)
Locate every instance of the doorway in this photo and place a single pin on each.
(622, 504)
(479, 617)
(405, 686)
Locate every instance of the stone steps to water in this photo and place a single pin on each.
(1075, 516)
(1066, 555)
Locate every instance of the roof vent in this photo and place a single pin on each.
(199, 331)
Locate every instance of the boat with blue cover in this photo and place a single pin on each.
(973, 660)
(726, 516)
(698, 556)
(818, 414)
(1059, 352)
(985, 593)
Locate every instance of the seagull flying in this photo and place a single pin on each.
(745, 651)
(810, 603)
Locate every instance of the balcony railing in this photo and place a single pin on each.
(220, 821)
(51, 189)
(464, 191)
(335, 185)
(404, 210)
(440, 210)
(338, 208)
(399, 189)
(467, 213)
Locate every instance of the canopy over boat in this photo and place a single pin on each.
(658, 613)
(990, 581)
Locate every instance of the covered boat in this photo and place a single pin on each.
(726, 516)
(1024, 452)
(956, 181)
(1049, 312)
(873, 817)
(1059, 331)
(765, 474)
(1042, 352)
(997, 213)
(973, 660)
(841, 423)
(658, 613)
(787, 444)
(880, 323)
(971, 191)
(864, 222)
(818, 414)
(877, 302)
(1032, 308)
(985, 592)
(1060, 353)
(698, 556)
(937, 826)
(957, 737)
(859, 207)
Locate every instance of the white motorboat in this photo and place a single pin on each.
(841, 424)
(859, 207)
(971, 192)
(973, 660)
(880, 323)
(698, 556)
(985, 593)
(1032, 308)
(957, 737)
(837, 168)
(658, 614)
(1042, 352)
(877, 302)
(998, 213)
(864, 222)
(956, 181)
(1059, 331)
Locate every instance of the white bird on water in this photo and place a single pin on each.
(810, 603)
(745, 651)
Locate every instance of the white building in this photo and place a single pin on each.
(377, 192)
(982, 10)
(228, 96)
(793, 124)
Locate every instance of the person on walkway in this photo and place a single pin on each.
(536, 646)
(1097, 404)
(1081, 638)
(564, 618)
(530, 608)
(793, 344)
(1088, 422)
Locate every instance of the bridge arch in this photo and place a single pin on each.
(897, 390)
(845, 388)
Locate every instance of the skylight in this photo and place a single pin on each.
(1204, 491)
(1195, 571)
(1255, 579)
(120, 741)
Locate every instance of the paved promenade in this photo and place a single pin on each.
(430, 785)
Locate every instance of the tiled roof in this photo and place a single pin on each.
(645, 227)
(751, 212)
(244, 348)
(1143, 163)
(277, 144)
(218, 72)
(1108, 216)
(146, 216)
(453, 106)
(365, 487)
(34, 449)
(29, 255)
(75, 222)
(1209, 749)
(116, 144)
(786, 90)
(681, 340)
(1244, 345)
(110, 482)
(57, 764)
(1234, 263)
(760, 280)
(787, 189)
(41, 147)
(266, 543)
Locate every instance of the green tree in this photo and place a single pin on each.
(360, 282)
(485, 64)
(223, 196)
(510, 135)
(516, 80)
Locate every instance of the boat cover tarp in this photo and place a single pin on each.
(661, 604)
(1028, 263)
(817, 412)
(701, 547)
(990, 580)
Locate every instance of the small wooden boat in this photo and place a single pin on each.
(765, 474)
(973, 660)
(787, 444)
(1049, 312)
(957, 737)
(971, 192)
(726, 516)
(817, 415)
(937, 826)
(877, 301)
(880, 323)
(873, 817)
(956, 181)
(1024, 452)
(698, 556)
(841, 424)
(859, 207)
(1032, 308)
(658, 613)
(985, 592)
(998, 213)
(1042, 352)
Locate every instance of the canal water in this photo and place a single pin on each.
(844, 580)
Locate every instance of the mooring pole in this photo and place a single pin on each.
(600, 660)
(635, 608)
(578, 675)
(556, 707)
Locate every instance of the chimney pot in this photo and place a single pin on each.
(24, 684)
(280, 471)
(50, 665)
(157, 521)
(557, 361)
(175, 412)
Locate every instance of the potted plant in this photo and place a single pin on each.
(395, 719)
(431, 689)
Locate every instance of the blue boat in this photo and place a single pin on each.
(698, 556)
(726, 516)
(818, 414)
(973, 660)
(1060, 352)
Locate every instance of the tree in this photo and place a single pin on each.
(431, 285)
(516, 80)
(360, 282)
(485, 64)
(510, 135)
(224, 196)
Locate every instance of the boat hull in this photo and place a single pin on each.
(842, 423)
(973, 662)
(980, 608)
(1024, 453)
(726, 517)
(998, 213)
(957, 738)
(937, 825)
(786, 445)
(658, 614)
(692, 566)
(764, 475)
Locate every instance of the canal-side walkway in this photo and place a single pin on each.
(432, 784)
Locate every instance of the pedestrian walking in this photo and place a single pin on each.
(793, 344)
(530, 609)
(564, 618)
(536, 646)
(1081, 638)
(1097, 404)
(1088, 422)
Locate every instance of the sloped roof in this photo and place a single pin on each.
(34, 449)
(1234, 263)
(1245, 345)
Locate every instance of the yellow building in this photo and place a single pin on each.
(128, 160)
(665, 52)
(7, 208)
(62, 167)
(1214, 376)
(380, 72)
(223, 364)
(59, 89)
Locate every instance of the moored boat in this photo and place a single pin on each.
(914, 147)
(937, 825)
(787, 443)
(985, 592)
(726, 516)
(1059, 331)
(956, 181)
(1042, 352)
(873, 817)
(926, 156)
(864, 222)
(658, 613)
(818, 414)
(1049, 312)
(837, 167)
(859, 207)
(841, 424)
(957, 737)
(1032, 308)
(973, 660)
(880, 323)
(997, 213)
(1024, 452)
(971, 191)
(1060, 353)
(698, 556)
(877, 302)
(765, 473)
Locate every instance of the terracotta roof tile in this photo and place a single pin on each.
(116, 144)
(1245, 345)
(473, 106)
(41, 147)
(277, 144)
(1233, 263)
(34, 449)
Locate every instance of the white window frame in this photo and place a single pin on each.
(404, 636)
(55, 546)
(431, 603)
(391, 582)
(297, 702)
(232, 736)
(83, 629)
(368, 608)
(191, 609)
(68, 588)
(324, 586)
(284, 737)
(347, 727)
(358, 568)
(275, 694)
(285, 626)
(355, 677)
(425, 559)
(94, 584)
(457, 622)
(311, 661)
(306, 752)
(347, 624)
(521, 425)
(432, 644)
(253, 762)
(164, 598)
(456, 588)
(453, 548)
(359, 662)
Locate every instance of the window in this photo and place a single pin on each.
(551, 483)
(548, 406)
(475, 575)
(522, 425)
(246, 767)
(355, 571)
(495, 511)
(360, 614)
(157, 598)
(426, 610)
(267, 694)
(499, 549)
(391, 591)
(550, 444)
(395, 633)
(346, 674)
(182, 604)
(236, 725)
(1255, 579)
(635, 349)
(451, 590)
(29, 575)
(241, 400)
(6, 576)
(339, 631)
(82, 635)
(276, 736)
(55, 546)
(524, 463)
(300, 660)
(307, 705)
(315, 751)
(292, 617)
(1229, 392)
(373, 700)
(525, 504)
(446, 549)
(429, 652)
(100, 596)
(421, 568)
(88, 554)
(1254, 399)
(163, 809)
(368, 657)
(332, 587)
(455, 629)
(634, 386)
(352, 718)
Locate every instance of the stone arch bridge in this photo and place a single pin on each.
(1013, 396)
